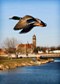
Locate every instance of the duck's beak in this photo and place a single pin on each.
(42, 24)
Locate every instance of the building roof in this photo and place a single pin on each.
(25, 45)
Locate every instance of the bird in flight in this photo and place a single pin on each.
(26, 23)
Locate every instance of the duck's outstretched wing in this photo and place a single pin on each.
(27, 29)
(32, 20)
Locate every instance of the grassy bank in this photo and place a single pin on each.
(8, 60)
(9, 63)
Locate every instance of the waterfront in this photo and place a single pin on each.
(44, 74)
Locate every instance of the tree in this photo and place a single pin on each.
(52, 48)
(35, 50)
(58, 48)
(42, 49)
(10, 45)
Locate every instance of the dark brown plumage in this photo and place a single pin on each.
(27, 22)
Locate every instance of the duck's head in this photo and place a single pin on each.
(15, 18)
(38, 22)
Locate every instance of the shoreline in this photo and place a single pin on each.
(14, 64)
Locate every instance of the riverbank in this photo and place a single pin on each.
(6, 64)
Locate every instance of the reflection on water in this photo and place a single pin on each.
(44, 74)
(57, 60)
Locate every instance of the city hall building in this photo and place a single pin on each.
(27, 48)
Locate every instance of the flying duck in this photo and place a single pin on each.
(26, 23)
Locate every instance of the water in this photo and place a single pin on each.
(44, 74)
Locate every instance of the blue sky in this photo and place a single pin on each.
(46, 10)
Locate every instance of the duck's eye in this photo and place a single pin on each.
(30, 21)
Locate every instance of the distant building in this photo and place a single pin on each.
(2, 52)
(27, 48)
(55, 51)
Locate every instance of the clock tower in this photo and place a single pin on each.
(34, 41)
